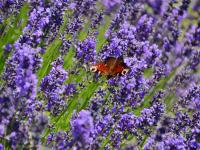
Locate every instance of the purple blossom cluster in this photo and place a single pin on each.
(49, 99)
(53, 88)
(38, 20)
(9, 6)
(80, 136)
(86, 51)
(22, 118)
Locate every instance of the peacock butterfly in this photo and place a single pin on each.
(111, 67)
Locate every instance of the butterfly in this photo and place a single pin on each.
(111, 67)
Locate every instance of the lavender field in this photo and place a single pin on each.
(50, 98)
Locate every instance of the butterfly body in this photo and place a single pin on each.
(110, 67)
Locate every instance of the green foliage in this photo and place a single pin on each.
(52, 52)
(50, 55)
(68, 59)
(148, 72)
(75, 104)
(82, 35)
(107, 139)
(101, 39)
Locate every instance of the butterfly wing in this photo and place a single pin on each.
(115, 65)
(111, 67)
(102, 68)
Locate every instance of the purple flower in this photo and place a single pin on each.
(19, 106)
(20, 71)
(74, 26)
(53, 88)
(82, 128)
(60, 140)
(109, 4)
(193, 137)
(144, 27)
(33, 32)
(21, 85)
(2, 130)
(184, 6)
(150, 116)
(96, 20)
(8, 7)
(86, 50)
(170, 142)
(8, 48)
(156, 5)
(1, 147)
(192, 99)
(69, 90)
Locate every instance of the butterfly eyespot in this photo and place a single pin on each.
(125, 71)
(93, 68)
